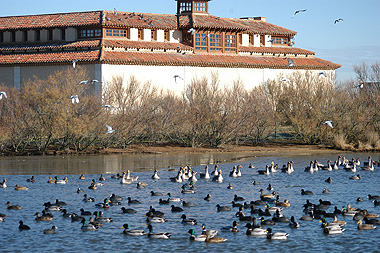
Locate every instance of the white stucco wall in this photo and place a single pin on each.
(147, 35)
(134, 34)
(245, 40)
(256, 40)
(267, 40)
(160, 36)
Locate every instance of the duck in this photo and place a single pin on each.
(251, 231)
(184, 190)
(93, 187)
(230, 187)
(188, 221)
(273, 209)
(293, 223)
(3, 184)
(88, 199)
(79, 190)
(340, 222)
(96, 223)
(163, 202)
(51, 180)
(267, 222)
(335, 230)
(102, 178)
(82, 177)
(176, 209)
(276, 235)
(205, 175)
(42, 218)
(366, 226)
(162, 235)
(128, 210)
(22, 226)
(99, 217)
(218, 178)
(188, 204)
(14, 207)
(20, 188)
(155, 176)
(61, 181)
(209, 233)
(155, 219)
(133, 201)
(303, 192)
(103, 204)
(238, 198)
(132, 232)
(232, 228)
(264, 172)
(223, 208)
(328, 180)
(208, 197)
(87, 226)
(357, 177)
(285, 203)
(51, 230)
(325, 191)
(31, 180)
(215, 239)
(265, 196)
(152, 193)
(368, 215)
(171, 199)
(196, 238)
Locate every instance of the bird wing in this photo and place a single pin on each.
(3, 93)
(290, 63)
(109, 128)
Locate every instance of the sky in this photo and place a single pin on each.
(353, 41)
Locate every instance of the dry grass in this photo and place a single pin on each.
(340, 142)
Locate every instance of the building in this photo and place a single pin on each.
(169, 50)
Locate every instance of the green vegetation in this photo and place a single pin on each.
(42, 119)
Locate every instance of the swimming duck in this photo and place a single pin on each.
(218, 178)
(264, 172)
(184, 190)
(277, 235)
(51, 230)
(155, 175)
(31, 180)
(155, 219)
(20, 188)
(303, 192)
(88, 199)
(208, 233)
(197, 238)
(61, 181)
(102, 178)
(273, 208)
(368, 215)
(340, 222)
(325, 191)
(251, 231)
(362, 226)
(157, 235)
(79, 190)
(230, 187)
(14, 207)
(104, 204)
(293, 223)
(285, 203)
(128, 210)
(208, 197)
(215, 239)
(205, 175)
(188, 204)
(3, 184)
(232, 229)
(176, 209)
(42, 218)
(133, 201)
(22, 226)
(335, 230)
(82, 177)
(133, 232)
(329, 180)
(152, 193)
(265, 196)
(99, 217)
(223, 208)
(171, 199)
(357, 177)
(87, 227)
(188, 221)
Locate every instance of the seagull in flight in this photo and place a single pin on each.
(360, 85)
(177, 76)
(107, 106)
(329, 123)
(323, 73)
(74, 63)
(192, 31)
(298, 11)
(3, 94)
(83, 82)
(290, 63)
(272, 40)
(74, 99)
(109, 130)
(338, 20)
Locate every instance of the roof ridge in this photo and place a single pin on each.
(50, 14)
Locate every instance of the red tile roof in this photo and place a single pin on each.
(276, 50)
(208, 60)
(55, 45)
(55, 57)
(210, 22)
(263, 27)
(144, 45)
(51, 20)
(139, 20)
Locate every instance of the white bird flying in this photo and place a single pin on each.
(94, 81)
(74, 63)
(329, 123)
(192, 31)
(74, 99)
(272, 40)
(290, 63)
(3, 94)
(83, 82)
(338, 20)
(109, 130)
(177, 76)
(360, 85)
(323, 73)
(115, 11)
(298, 11)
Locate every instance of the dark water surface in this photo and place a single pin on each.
(70, 238)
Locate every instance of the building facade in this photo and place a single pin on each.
(168, 50)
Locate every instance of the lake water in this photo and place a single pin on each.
(70, 238)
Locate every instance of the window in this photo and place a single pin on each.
(262, 40)
(185, 7)
(153, 35)
(280, 41)
(200, 7)
(251, 39)
(13, 36)
(63, 34)
(38, 35)
(215, 42)
(90, 33)
(167, 35)
(201, 41)
(25, 36)
(141, 34)
(1, 37)
(187, 37)
(240, 38)
(50, 34)
(230, 43)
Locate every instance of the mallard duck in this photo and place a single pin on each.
(176, 209)
(251, 231)
(42, 218)
(14, 207)
(51, 180)
(61, 181)
(184, 190)
(273, 209)
(104, 204)
(133, 232)
(31, 180)
(88, 199)
(366, 226)
(87, 227)
(267, 196)
(215, 239)
(340, 222)
(277, 235)
(188, 221)
(51, 230)
(3, 184)
(232, 228)
(128, 210)
(335, 230)
(155, 175)
(22, 226)
(99, 217)
(161, 235)
(197, 238)
(209, 233)
(102, 178)
(155, 219)
(222, 208)
(82, 177)
(20, 188)
(368, 215)
(293, 223)
(171, 199)
(285, 203)
(133, 201)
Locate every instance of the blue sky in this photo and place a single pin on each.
(352, 41)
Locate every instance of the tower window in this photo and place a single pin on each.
(185, 7)
(200, 7)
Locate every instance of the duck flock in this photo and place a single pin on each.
(210, 204)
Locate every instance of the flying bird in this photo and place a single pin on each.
(3, 94)
(115, 11)
(323, 73)
(338, 20)
(74, 63)
(192, 31)
(298, 11)
(290, 63)
(74, 99)
(83, 82)
(284, 79)
(109, 130)
(360, 85)
(177, 76)
(272, 40)
(329, 123)
(107, 106)
(94, 81)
